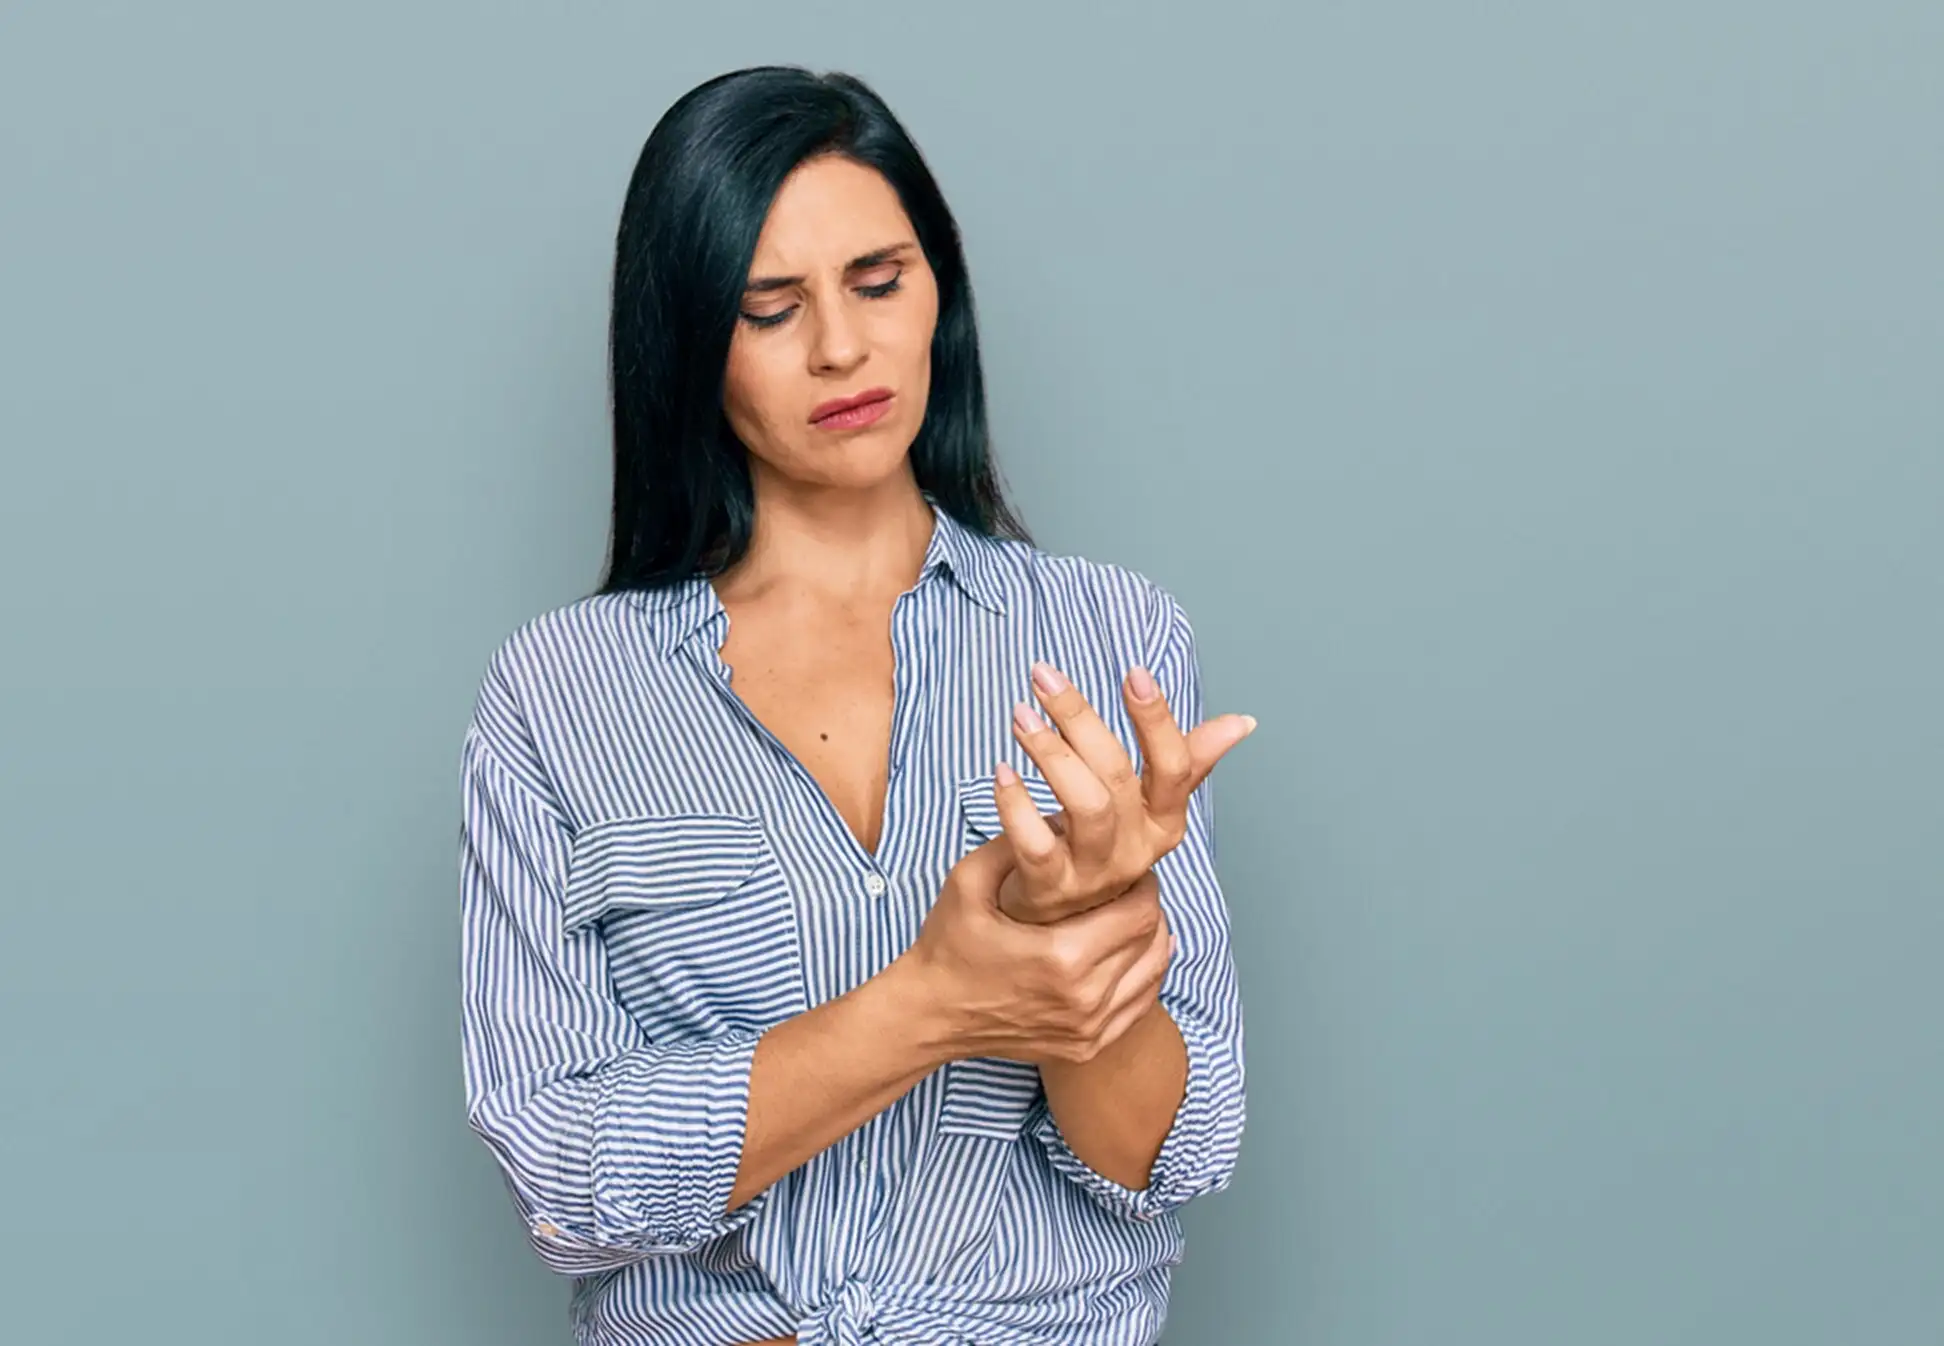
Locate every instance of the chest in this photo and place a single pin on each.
(824, 684)
(721, 791)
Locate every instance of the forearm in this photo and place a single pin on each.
(1116, 1110)
(819, 1076)
(667, 1145)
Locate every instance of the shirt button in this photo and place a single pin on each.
(874, 885)
(547, 1229)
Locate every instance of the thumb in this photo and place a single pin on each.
(1211, 739)
(981, 870)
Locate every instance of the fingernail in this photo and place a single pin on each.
(1141, 683)
(1026, 720)
(1005, 775)
(1048, 678)
(1248, 724)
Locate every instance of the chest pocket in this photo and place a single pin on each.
(696, 913)
(986, 1096)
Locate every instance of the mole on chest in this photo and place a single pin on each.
(832, 709)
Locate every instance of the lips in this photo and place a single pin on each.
(837, 406)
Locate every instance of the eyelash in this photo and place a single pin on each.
(868, 291)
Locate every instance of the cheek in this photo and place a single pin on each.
(750, 390)
(914, 337)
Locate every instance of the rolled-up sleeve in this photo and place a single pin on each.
(615, 1148)
(1199, 991)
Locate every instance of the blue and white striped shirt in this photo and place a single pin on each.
(649, 880)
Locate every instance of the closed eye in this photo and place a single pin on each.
(881, 290)
(878, 291)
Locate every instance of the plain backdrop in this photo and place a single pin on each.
(1538, 408)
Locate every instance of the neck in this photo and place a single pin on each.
(846, 544)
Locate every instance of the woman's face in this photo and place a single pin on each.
(841, 302)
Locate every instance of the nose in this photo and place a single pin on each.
(837, 338)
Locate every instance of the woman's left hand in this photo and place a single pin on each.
(1115, 823)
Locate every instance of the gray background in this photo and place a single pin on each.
(1536, 407)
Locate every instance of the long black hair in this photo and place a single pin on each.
(695, 206)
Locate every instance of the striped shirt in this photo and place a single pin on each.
(649, 879)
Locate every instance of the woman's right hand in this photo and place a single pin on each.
(992, 986)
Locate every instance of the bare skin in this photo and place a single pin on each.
(1040, 947)
(816, 669)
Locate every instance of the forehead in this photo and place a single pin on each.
(828, 211)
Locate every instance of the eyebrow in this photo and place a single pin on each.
(876, 257)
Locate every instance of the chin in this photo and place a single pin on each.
(860, 463)
(869, 477)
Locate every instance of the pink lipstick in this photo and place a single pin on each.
(848, 413)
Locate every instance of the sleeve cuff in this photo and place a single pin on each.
(1198, 1154)
(660, 1144)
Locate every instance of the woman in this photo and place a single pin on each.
(789, 1011)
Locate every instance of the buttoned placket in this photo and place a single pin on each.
(911, 703)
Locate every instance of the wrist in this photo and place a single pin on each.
(918, 1010)
(1143, 1039)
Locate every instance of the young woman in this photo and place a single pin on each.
(843, 959)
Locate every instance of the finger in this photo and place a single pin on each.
(1139, 989)
(1144, 980)
(1122, 924)
(1114, 975)
(983, 868)
(1088, 803)
(1035, 843)
(1209, 740)
(1167, 762)
(1137, 905)
(1081, 726)
(1122, 1022)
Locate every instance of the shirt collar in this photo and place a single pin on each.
(677, 611)
(969, 559)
